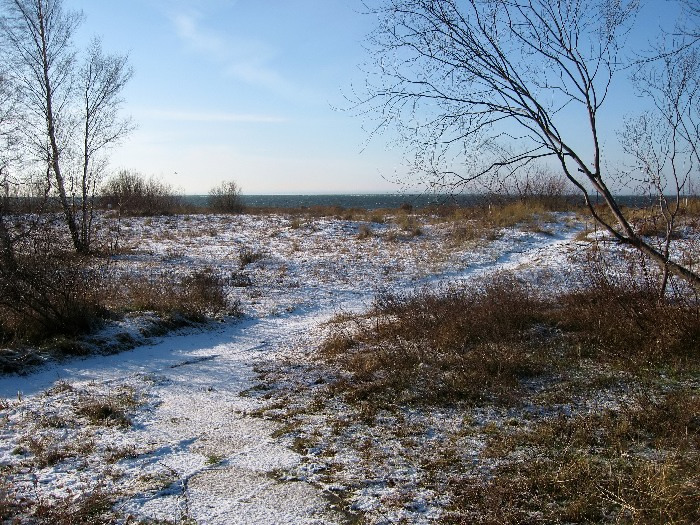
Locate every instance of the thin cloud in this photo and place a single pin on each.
(246, 60)
(197, 116)
(188, 29)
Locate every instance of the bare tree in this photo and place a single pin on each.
(6, 137)
(72, 109)
(39, 36)
(691, 16)
(664, 142)
(504, 83)
(101, 81)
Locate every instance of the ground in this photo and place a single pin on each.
(212, 424)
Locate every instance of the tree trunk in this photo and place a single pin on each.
(7, 253)
(55, 153)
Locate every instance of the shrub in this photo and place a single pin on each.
(409, 224)
(226, 198)
(92, 507)
(132, 194)
(104, 412)
(50, 295)
(248, 255)
(204, 292)
(477, 343)
(623, 318)
(637, 464)
(194, 296)
(364, 231)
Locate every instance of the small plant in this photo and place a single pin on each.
(364, 231)
(59, 387)
(248, 255)
(93, 507)
(107, 410)
(48, 451)
(103, 412)
(214, 459)
(113, 455)
(409, 224)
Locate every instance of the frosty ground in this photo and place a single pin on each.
(200, 427)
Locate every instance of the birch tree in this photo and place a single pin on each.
(39, 37)
(72, 110)
(101, 81)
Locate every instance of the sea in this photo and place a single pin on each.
(380, 200)
(359, 201)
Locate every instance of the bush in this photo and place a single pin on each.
(132, 194)
(637, 464)
(49, 295)
(623, 318)
(226, 198)
(477, 343)
(195, 296)
(607, 433)
(248, 255)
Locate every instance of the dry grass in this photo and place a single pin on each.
(45, 449)
(478, 343)
(104, 412)
(429, 347)
(248, 255)
(409, 223)
(193, 297)
(51, 303)
(364, 231)
(593, 397)
(91, 507)
(624, 320)
(634, 464)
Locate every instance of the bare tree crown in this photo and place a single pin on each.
(483, 88)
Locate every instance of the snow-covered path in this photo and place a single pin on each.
(201, 407)
(223, 462)
(198, 453)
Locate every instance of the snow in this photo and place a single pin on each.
(195, 448)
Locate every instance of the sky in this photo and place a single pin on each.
(254, 91)
(251, 91)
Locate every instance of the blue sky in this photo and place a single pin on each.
(249, 89)
(244, 90)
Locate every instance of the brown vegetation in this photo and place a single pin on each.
(598, 384)
(194, 296)
(131, 193)
(634, 464)
(51, 300)
(430, 346)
